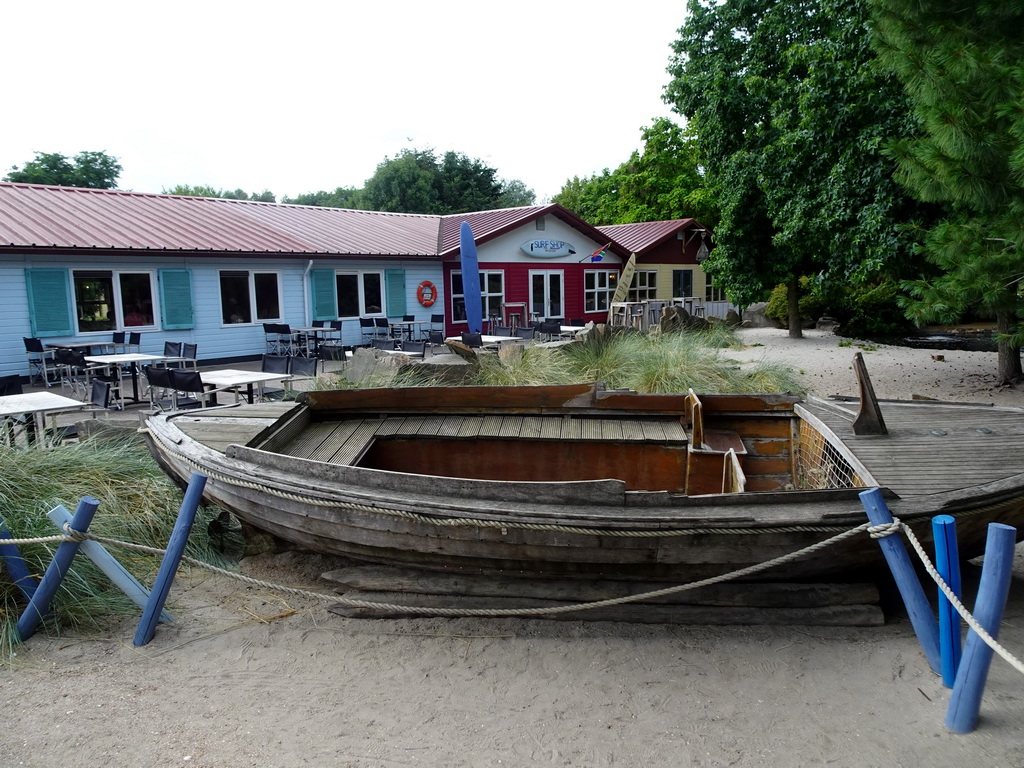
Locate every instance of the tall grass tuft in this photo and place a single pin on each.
(654, 363)
(138, 503)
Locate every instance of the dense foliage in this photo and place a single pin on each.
(963, 67)
(95, 170)
(790, 118)
(266, 196)
(659, 183)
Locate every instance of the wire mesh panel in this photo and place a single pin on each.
(820, 465)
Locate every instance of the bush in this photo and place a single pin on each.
(811, 304)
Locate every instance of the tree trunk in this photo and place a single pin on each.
(1009, 356)
(793, 294)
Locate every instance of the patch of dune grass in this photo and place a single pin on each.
(138, 503)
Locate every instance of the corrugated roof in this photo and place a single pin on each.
(34, 216)
(640, 237)
(487, 225)
(37, 216)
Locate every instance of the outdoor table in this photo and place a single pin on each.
(629, 312)
(407, 326)
(230, 378)
(491, 341)
(315, 334)
(132, 360)
(38, 404)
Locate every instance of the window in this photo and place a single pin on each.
(598, 288)
(249, 297)
(644, 286)
(360, 293)
(107, 300)
(682, 283)
(492, 295)
(712, 292)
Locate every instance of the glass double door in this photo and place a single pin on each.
(547, 294)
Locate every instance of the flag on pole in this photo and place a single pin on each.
(598, 254)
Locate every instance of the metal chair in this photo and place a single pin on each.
(299, 369)
(119, 342)
(271, 339)
(368, 328)
(38, 357)
(159, 387)
(501, 330)
(473, 340)
(135, 342)
(382, 329)
(189, 391)
(385, 344)
(414, 348)
(526, 333)
(274, 364)
(436, 339)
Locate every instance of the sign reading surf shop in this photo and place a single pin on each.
(547, 249)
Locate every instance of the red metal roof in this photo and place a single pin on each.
(640, 237)
(487, 225)
(36, 216)
(39, 217)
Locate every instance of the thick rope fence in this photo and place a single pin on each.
(875, 531)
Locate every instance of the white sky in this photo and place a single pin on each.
(301, 96)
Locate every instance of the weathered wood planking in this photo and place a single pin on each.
(933, 448)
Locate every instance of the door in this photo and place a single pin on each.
(546, 294)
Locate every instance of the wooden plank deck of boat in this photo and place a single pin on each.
(932, 447)
(220, 427)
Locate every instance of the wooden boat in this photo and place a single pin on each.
(583, 482)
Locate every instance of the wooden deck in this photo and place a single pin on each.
(932, 447)
(220, 427)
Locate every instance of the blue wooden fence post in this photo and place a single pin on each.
(947, 563)
(39, 605)
(11, 557)
(918, 608)
(169, 565)
(107, 563)
(996, 571)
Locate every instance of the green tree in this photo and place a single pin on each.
(95, 170)
(418, 181)
(790, 118)
(202, 190)
(342, 197)
(963, 67)
(663, 181)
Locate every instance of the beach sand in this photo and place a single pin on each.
(246, 676)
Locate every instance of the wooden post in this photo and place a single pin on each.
(947, 563)
(11, 557)
(169, 565)
(107, 563)
(39, 605)
(996, 571)
(920, 612)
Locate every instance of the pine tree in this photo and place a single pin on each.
(962, 64)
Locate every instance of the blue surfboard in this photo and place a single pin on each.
(470, 279)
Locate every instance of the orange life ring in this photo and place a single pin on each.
(426, 293)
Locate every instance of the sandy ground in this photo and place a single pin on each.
(248, 677)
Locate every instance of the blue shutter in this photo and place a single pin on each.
(49, 302)
(394, 286)
(176, 299)
(325, 301)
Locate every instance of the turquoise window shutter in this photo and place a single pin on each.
(49, 302)
(325, 300)
(394, 285)
(176, 299)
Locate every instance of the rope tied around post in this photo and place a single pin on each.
(72, 534)
(885, 529)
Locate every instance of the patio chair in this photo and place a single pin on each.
(274, 364)
(135, 342)
(368, 328)
(159, 387)
(414, 348)
(436, 324)
(436, 339)
(172, 355)
(526, 333)
(189, 391)
(271, 339)
(502, 330)
(40, 360)
(19, 422)
(386, 344)
(382, 328)
(299, 369)
(473, 340)
(119, 342)
(99, 400)
(190, 355)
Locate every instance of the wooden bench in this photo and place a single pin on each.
(714, 461)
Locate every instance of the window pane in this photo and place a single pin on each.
(493, 282)
(372, 293)
(348, 295)
(136, 299)
(234, 297)
(94, 301)
(268, 306)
